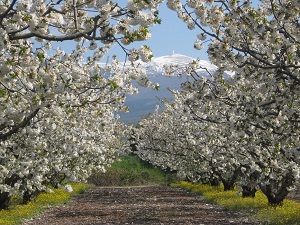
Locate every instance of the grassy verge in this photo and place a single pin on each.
(257, 207)
(18, 213)
(132, 171)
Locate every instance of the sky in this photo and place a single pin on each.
(172, 35)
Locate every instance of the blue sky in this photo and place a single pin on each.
(171, 34)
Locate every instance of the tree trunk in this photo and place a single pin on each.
(4, 200)
(4, 196)
(26, 197)
(277, 191)
(275, 198)
(248, 191)
(29, 196)
(228, 185)
(214, 182)
(230, 182)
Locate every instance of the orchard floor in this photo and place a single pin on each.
(139, 205)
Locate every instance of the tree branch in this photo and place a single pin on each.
(23, 124)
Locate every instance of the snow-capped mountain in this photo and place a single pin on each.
(145, 101)
(156, 65)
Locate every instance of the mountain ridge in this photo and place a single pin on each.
(145, 101)
(156, 65)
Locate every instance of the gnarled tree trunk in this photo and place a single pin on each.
(277, 191)
(4, 200)
(214, 182)
(4, 196)
(248, 191)
(274, 197)
(229, 183)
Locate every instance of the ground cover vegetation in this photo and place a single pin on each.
(240, 129)
(17, 213)
(257, 207)
(132, 171)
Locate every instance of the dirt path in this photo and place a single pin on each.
(139, 205)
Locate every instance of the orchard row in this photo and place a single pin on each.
(58, 107)
(242, 129)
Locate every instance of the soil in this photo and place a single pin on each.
(139, 205)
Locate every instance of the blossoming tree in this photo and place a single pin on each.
(255, 113)
(57, 103)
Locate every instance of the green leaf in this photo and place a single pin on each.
(22, 50)
(150, 57)
(113, 84)
(2, 93)
(41, 56)
(27, 18)
(157, 20)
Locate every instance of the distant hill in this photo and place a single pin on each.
(145, 101)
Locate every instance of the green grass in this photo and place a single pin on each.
(288, 213)
(132, 171)
(17, 213)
